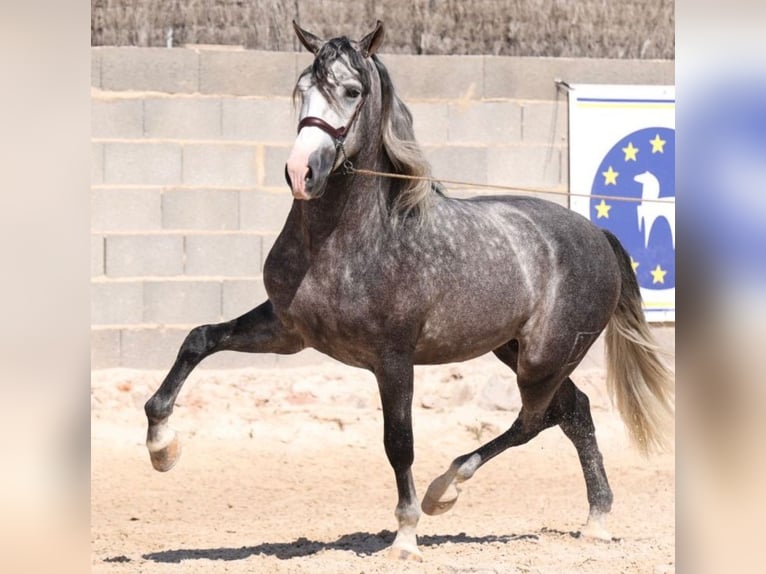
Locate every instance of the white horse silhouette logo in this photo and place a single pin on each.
(658, 207)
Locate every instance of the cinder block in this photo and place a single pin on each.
(275, 158)
(154, 348)
(96, 163)
(239, 296)
(95, 67)
(96, 255)
(510, 77)
(182, 302)
(442, 77)
(219, 165)
(200, 209)
(227, 255)
(484, 123)
(458, 163)
(120, 118)
(545, 122)
(534, 78)
(144, 255)
(142, 163)
(157, 348)
(104, 348)
(264, 210)
(261, 120)
(183, 118)
(525, 165)
(247, 73)
(237, 360)
(302, 61)
(154, 69)
(116, 302)
(430, 120)
(125, 209)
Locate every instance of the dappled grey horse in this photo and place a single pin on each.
(384, 273)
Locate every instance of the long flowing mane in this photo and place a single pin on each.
(404, 152)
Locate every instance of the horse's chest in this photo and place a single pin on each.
(334, 313)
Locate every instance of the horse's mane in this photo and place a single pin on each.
(411, 197)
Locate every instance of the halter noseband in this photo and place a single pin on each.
(338, 135)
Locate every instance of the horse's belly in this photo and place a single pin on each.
(456, 338)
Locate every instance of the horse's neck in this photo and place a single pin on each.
(350, 202)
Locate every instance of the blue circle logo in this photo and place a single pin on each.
(641, 166)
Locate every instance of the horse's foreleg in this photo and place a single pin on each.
(258, 331)
(577, 424)
(395, 381)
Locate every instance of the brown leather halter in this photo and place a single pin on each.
(337, 134)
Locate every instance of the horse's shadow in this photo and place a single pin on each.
(360, 543)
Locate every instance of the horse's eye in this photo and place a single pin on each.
(353, 93)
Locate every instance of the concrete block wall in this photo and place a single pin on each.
(188, 150)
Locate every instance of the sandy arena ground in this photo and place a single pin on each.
(283, 470)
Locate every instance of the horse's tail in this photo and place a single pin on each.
(637, 380)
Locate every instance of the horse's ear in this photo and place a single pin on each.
(310, 42)
(372, 41)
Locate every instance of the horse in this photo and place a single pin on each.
(384, 273)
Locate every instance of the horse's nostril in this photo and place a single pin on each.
(309, 173)
(287, 178)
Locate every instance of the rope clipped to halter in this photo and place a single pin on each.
(349, 169)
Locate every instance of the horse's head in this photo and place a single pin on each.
(332, 92)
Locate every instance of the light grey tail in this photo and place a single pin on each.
(637, 380)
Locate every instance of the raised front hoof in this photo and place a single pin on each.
(596, 529)
(408, 555)
(440, 497)
(165, 458)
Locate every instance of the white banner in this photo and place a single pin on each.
(622, 145)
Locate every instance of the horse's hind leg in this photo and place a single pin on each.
(570, 409)
(444, 490)
(577, 424)
(258, 331)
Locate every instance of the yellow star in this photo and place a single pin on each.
(634, 264)
(658, 144)
(602, 210)
(658, 274)
(630, 152)
(610, 176)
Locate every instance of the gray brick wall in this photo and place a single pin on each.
(188, 191)
(139, 163)
(193, 118)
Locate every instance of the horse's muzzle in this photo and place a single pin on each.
(307, 177)
(298, 193)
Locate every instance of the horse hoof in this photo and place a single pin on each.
(165, 458)
(596, 529)
(404, 554)
(440, 497)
